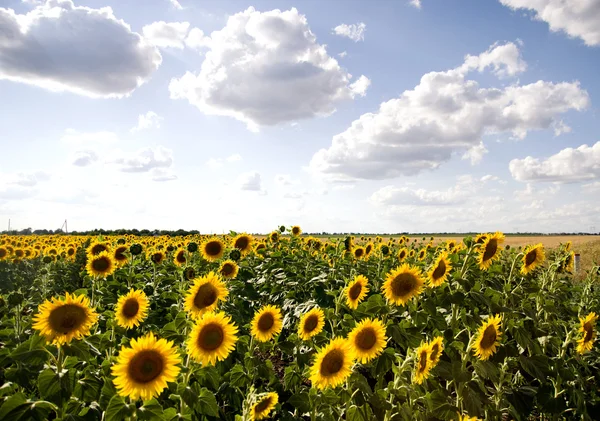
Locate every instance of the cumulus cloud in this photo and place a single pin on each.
(264, 69)
(285, 180)
(84, 158)
(567, 166)
(360, 86)
(391, 195)
(416, 3)
(250, 181)
(475, 154)
(75, 137)
(577, 18)
(166, 34)
(147, 121)
(176, 4)
(342, 54)
(197, 39)
(219, 162)
(146, 160)
(446, 113)
(355, 31)
(160, 174)
(62, 47)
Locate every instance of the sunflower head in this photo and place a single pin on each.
(189, 273)
(62, 320)
(120, 255)
(440, 270)
(356, 291)
(333, 364)
(229, 269)
(131, 309)
(274, 236)
(402, 284)
(243, 242)
(533, 256)
(213, 249)
(157, 256)
(100, 265)
(263, 406)
(436, 347)
(368, 339)
(422, 254)
(296, 230)
(588, 334)
(490, 249)
(94, 249)
(212, 339)
(311, 324)
(423, 365)
(267, 323)
(205, 294)
(488, 338)
(180, 258)
(358, 252)
(144, 368)
(402, 254)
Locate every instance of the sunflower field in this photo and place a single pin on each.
(293, 327)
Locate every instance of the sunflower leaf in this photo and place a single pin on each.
(207, 403)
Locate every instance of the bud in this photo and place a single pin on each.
(235, 255)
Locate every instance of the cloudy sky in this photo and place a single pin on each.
(364, 116)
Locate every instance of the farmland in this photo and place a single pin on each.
(294, 327)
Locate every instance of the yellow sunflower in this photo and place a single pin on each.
(402, 284)
(180, 258)
(205, 294)
(440, 270)
(274, 236)
(488, 338)
(358, 252)
(467, 418)
(229, 269)
(60, 321)
(369, 249)
(333, 364)
(311, 324)
(480, 238)
(368, 339)
(587, 330)
(267, 323)
(423, 366)
(101, 264)
(143, 369)
(436, 347)
(131, 309)
(412, 253)
(120, 255)
(402, 254)
(243, 242)
(422, 254)
(296, 230)
(356, 291)
(212, 339)
(212, 249)
(490, 249)
(157, 256)
(534, 256)
(97, 247)
(263, 406)
(3, 253)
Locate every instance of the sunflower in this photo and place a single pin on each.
(213, 338)
(119, 255)
(204, 295)
(143, 369)
(587, 330)
(229, 269)
(412, 253)
(567, 263)
(489, 250)
(3, 253)
(533, 257)
(402, 284)
(311, 324)
(356, 291)
(296, 230)
(274, 236)
(189, 273)
(96, 248)
(263, 406)
(423, 366)
(440, 270)
(422, 254)
(213, 249)
(467, 418)
(368, 249)
(359, 252)
(267, 323)
(368, 339)
(402, 254)
(436, 347)
(488, 338)
(333, 364)
(243, 242)
(480, 238)
(131, 309)
(180, 258)
(450, 245)
(61, 321)
(100, 265)
(568, 245)
(157, 256)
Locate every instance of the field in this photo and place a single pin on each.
(294, 327)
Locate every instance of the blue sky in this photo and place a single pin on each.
(384, 116)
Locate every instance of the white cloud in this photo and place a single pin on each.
(264, 69)
(146, 160)
(578, 18)
(84, 158)
(343, 54)
(197, 39)
(284, 180)
(166, 34)
(250, 181)
(160, 174)
(475, 154)
(219, 162)
(75, 137)
(147, 121)
(560, 127)
(416, 3)
(567, 166)
(62, 47)
(446, 113)
(176, 4)
(355, 31)
(360, 86)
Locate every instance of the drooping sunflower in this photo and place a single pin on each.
(229, 269)
(263, 406)
(490, 249)
(534, 256)
(243, 242)
(100, 265)
(157, 256)
(369, 249)
(436, 347)
(402, 284)
(296, 230)
(568, 245)
(488, 338)
(212, 339)
(97, 247)
(212, 249)
(368, 339)
(333, 364)
(62, 320)
(358, 252)
(120, 256)
(440, 270)
(145, 367)
(567, 264)
(311, 324)
(587, 330)
(131, 309)
(180, 258)
(423, 366)
(356, 291)
(402, 254)
(205, 294)
(267, 323)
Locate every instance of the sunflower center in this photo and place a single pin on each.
(354, 292)
(120, 253)
(67, 318)
(227, 269)
(131, 308)
(262, 405)
(157, 257)
(266, 322)
(211, 337)
(490, 249)
(402, 255)
(440, 270)
(368, 249)
(146, 366)
(489, 337)
(206, 296)
(403, 284)
(435, 350)
(589, 331)
(241, 243)
(181, 257)
(98, 248)
(101, 265)
(530, 257)
(311, 323)
(295, 230)
(422, 361)
(3, 253)
(213, 248)
(332, 363)
(366, 339)
(358, 252)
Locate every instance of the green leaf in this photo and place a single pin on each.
(300, 402)
(117, 409)
(151, 410)
(535, 366)
(33, 351)
(487, 370)
(207, 403)
(238, 376)
(49, 385)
